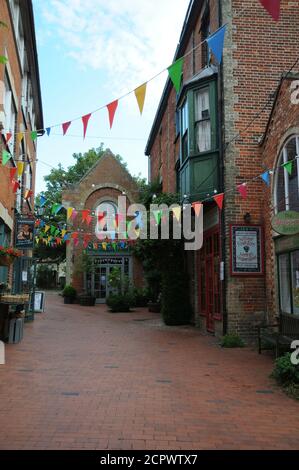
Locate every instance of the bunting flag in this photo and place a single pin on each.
(272, 7)
(42, 201)
(47, 228)
(85, 213)
(266, 177)
(101, 216)
(289, 167)
(216, 43)
(197, 206)
(175, 73)
(85, 120)
(219, 200)
(140, 93)
(48, 130)
(137, 232)
(5, 157)
(63, 233)
(139, 220)
(56, 208)
(74, 235)
(177, 213)
(12, 172)
(3, 60)
(33, 135)
(157, 215)
(76, 241)
(53, 230)
(88, 219)
(104, 246)
(112, 107)
(65, 127)
(28, 194)
(69, 212)
(58, 241)
(20, 167)
(15, 185)
(242, 188)
(20, 137)
(8, 137)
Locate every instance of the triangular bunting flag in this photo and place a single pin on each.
(69, 211)
(112, 107)
(5, 157)
(104, 246)
(42, 201)
(56, 208)
(85, 213)
(65, 127)
(20, 167)
(76, 241)
(3, 60)
(175, 73)
(28, 194)
(289, 167)
(63, 232)
(157, 215)
(219, 200)
(177, 212)
(34, 135)
(74, 214)
(12, 172)
(53, 230)
(48, 130)
(15, 185)
(85, 120)
(8, 137)
(266, 178)
(197, 206)
(140, 93)
(20, 137)
(74, 235)
(216, 43)
(242, 188)
(47, 228)
(88, 219)
(272, 7)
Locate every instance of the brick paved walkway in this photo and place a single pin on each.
(84, 378)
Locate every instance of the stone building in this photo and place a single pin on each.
(206, 140)
(20, 113)
(98, 192)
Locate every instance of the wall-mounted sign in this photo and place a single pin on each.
(24, 233)
(286, 223)
(247, 250)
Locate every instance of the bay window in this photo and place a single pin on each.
(286, 193)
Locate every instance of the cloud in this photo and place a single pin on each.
(129, 40)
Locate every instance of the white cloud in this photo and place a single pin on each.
(131, 40)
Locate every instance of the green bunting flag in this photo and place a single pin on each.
(53, 229)
(288, 166)
(157, 215)
(5, 157)
(3, 60)
(175, 73)
(34, 135)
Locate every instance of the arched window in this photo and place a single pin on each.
(286, 194)
(106, 215)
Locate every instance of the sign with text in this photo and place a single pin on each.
(286, 223)
(246, 250)
(24, 233)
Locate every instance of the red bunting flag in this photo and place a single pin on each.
(85, 214)
(219, 200)
(75, 235)
(272, 7)
(15, 185)
(8, 137)
(28, 194)
(85, 120)
(76, 241)
(87, 239)
(65, 127)
(88, 219)
(112, 107)
(12, 172)
(242, 188)
(101, 216)
(197, 206)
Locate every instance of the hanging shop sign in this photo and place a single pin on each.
(247, 254)
(286, 223)
(24, 238)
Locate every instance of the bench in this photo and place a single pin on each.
(280, 335)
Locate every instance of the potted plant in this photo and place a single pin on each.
(8, 256)
(69, 293)
(87, 300)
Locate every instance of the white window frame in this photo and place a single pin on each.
(283, 158)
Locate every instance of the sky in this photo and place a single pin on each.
(91, 52)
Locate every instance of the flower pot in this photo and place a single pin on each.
(6, 260)
(68, 300)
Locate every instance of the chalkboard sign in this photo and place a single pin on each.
(37, 302)
(247, 254)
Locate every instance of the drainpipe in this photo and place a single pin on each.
(221, 171)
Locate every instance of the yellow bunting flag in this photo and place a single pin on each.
(104, 246)
(177, 212)
(140, 93)
(137, 231)
(20, 166)
(70, 211)
(63, 233)
(47, 228)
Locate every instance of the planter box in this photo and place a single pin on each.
(87, 301)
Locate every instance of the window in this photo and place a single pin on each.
(184, 126)
(288, 268)
(5, 235)
(202, 120)
(286, 194)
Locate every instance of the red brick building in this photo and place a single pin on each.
(207, 140)
(20, 113)
(98, 192)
